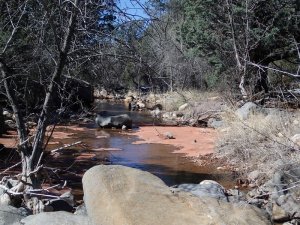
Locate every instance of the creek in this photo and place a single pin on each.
(108, 146)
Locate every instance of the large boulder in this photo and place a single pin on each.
(10, 215)
(118, 195)
(103, 120)
(56, 218)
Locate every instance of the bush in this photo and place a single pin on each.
(261, 142)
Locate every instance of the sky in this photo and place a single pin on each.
(133, 9)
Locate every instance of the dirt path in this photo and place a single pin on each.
(191, 141)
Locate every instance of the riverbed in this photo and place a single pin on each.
(143, 147)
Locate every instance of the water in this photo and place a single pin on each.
(157, 159)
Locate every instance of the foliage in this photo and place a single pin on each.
(263, 32)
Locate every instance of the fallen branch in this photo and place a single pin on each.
(30, 192)
(66, 146)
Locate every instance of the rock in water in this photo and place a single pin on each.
(105, 121)
(118, 195)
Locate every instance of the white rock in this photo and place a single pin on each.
(183, 107)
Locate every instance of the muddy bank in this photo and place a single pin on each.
(190, 141)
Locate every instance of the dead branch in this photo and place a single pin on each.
(9, 168)
(274, 69)
(66, 146)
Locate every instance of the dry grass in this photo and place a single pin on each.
(261, 142)
(171, 101)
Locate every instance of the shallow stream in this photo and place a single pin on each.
(107, 146)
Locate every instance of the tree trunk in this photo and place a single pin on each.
(31, 154)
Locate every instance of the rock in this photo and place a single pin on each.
(290, 205)
(235, 196)
(10, 215)
(183, 107)
(5, 199)
(288, 223)
(11, 183)
(155, 113)
(129, 99)
(68, 197)
(118, 195)
(169, 135)
(56, 218)
(244, 112)
(103, 93)
(214, 123)
(141, 105)
(253, 176)
(2, 190)
(279, 215)
(81, 210)
(206, 188)
(167, 115)
(105, 121)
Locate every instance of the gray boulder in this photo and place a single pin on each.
(208, 188)
(118, 195)
(81, 210)
(56, 218)
(246, 110)
(214, 123)
(103, 120)
(10, 215)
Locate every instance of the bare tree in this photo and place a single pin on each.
(47, 37)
